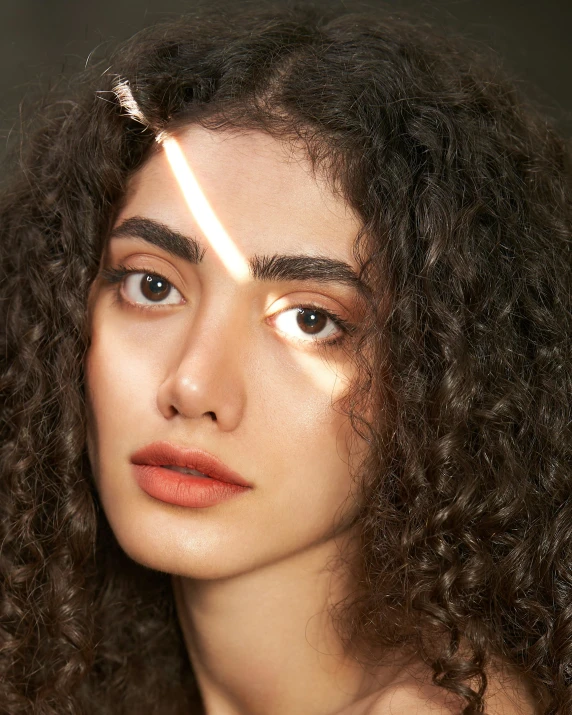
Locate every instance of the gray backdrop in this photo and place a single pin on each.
(41, 40)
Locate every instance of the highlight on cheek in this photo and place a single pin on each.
(326, 376)
(203, 213)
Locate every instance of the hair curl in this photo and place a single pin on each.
(464, 191)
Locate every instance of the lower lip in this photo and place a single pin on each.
(184, 489)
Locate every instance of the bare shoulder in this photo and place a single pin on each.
(414, 697)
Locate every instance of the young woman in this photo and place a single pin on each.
(286, 381)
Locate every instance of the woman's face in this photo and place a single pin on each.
(198, 350)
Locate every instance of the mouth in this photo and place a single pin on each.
(185, 470)
(187, 460)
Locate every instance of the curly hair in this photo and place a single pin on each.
(464, 192)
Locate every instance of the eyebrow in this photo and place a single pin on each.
(278, 267)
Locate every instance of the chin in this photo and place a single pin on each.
(197, 558)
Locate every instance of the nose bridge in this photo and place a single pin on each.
(207, 376)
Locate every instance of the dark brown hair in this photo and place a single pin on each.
(464, 191)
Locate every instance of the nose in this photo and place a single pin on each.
(205, 377)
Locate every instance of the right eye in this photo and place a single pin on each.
(141, 287)
(150, 289)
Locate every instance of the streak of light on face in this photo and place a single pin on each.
(223, 245)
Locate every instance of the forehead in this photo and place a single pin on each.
(262, 190)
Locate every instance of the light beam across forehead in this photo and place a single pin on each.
(203, 213)
(260, 267)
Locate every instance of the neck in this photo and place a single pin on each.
(264, 641)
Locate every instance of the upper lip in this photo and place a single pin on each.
(162, 454)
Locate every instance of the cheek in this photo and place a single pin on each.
(303, 426)
(118, 378)
(311, 449)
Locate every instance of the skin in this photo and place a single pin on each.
(253, 576)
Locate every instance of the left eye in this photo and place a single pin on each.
(308, 322)
(152, 287)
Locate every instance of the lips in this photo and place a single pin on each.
(163, 454)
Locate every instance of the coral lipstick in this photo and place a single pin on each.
(165, 472)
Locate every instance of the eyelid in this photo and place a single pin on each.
(139, 260)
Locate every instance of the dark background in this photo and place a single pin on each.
(43, 40)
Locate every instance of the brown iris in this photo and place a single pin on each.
(311, 320)
(154, 287)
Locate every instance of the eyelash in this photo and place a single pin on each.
(116, 276)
